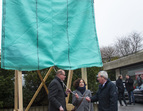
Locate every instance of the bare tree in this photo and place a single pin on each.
(107, 53)
(129, 45)
(136, 41)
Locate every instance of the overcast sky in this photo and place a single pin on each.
(117, 18)
(114, 18)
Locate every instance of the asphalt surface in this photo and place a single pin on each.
(136, 107)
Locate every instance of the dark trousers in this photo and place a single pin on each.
(122, 96)
(131, 97)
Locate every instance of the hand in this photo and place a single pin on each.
(88, 99)
(61, 108)
(76, 95)
(68, 91)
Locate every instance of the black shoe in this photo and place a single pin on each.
(129, 103)
(121, 104)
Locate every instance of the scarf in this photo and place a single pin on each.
(81, 89)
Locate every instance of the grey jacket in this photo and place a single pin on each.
(85, 105)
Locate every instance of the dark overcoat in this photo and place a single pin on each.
(120, 86)
(139, 81)
(56, 95)
(129, 84)
(107, 97)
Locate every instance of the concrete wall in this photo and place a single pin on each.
(117, 73)
(124, 61)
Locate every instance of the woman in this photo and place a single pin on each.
(78, 98)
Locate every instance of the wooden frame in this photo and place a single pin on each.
(18, 99)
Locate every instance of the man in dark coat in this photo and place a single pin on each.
(139, 80)
(120, 86)
(57, 94)
(106, 94)
(129, 86)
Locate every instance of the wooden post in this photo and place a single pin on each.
(18, 91)
(84, 76)
(70, 74)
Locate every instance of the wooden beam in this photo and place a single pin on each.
(84, 76)
(20, 93)
(69, 107)
(41, 78)
(16, 92)
(70, 74)
(39, 88)
(18, 97)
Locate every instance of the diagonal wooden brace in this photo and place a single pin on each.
(39, 88)
(40, 76)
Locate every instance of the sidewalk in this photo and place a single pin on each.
(136, 107)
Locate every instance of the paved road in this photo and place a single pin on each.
(136, 107)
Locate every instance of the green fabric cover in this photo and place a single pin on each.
(38, 34)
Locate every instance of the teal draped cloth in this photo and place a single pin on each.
(38, 34)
